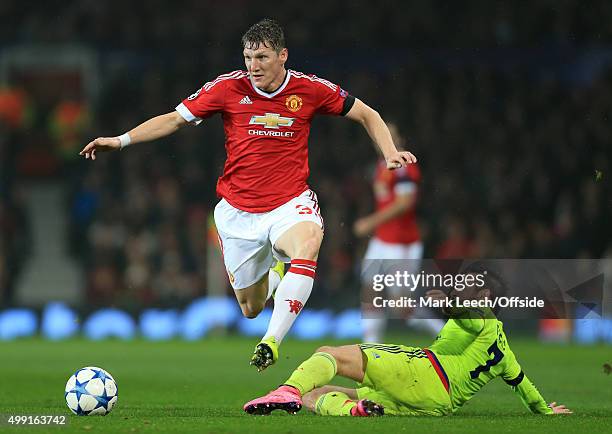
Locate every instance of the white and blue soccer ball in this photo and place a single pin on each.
(91, 391)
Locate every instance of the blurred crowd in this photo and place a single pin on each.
(187, 24)
(15, 242)
(515, 165)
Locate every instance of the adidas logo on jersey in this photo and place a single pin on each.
(246, 100)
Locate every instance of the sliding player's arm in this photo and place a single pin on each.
(527, 392)
(152, 129)
(379, 133)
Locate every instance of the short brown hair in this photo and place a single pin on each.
(267, 32)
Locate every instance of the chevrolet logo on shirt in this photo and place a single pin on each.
(272, 120)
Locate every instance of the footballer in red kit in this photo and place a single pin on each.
(388, 186)
(267, 215)
(266, 133)
(395, 237)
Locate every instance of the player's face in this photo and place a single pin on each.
(266, 66)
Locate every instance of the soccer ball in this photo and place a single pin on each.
(90, 391)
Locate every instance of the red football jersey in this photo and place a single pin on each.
(266, 134)
(388, 184)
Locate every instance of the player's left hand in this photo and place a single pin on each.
(559, 409)
(400, 159)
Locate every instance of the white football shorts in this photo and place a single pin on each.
(247, 239)
(387, 258)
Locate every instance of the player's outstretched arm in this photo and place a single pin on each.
(152, 129)
(529, 394)
(379, 133)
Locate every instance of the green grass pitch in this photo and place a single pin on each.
(200, 387)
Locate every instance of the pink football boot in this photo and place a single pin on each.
(284, 398)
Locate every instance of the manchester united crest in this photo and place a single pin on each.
(293, 103)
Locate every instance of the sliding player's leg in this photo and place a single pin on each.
(310, 399)
(330, 400)
(340, 401)
(309, 382)
(395, 379)
(404, 381)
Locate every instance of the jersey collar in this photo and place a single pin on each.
(277, 91)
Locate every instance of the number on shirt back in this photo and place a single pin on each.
(497, 356)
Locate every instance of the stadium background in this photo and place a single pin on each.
(507, 107)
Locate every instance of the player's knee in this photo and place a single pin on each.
(251, 310)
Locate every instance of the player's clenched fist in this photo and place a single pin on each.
(101, 144)
(400, 159)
